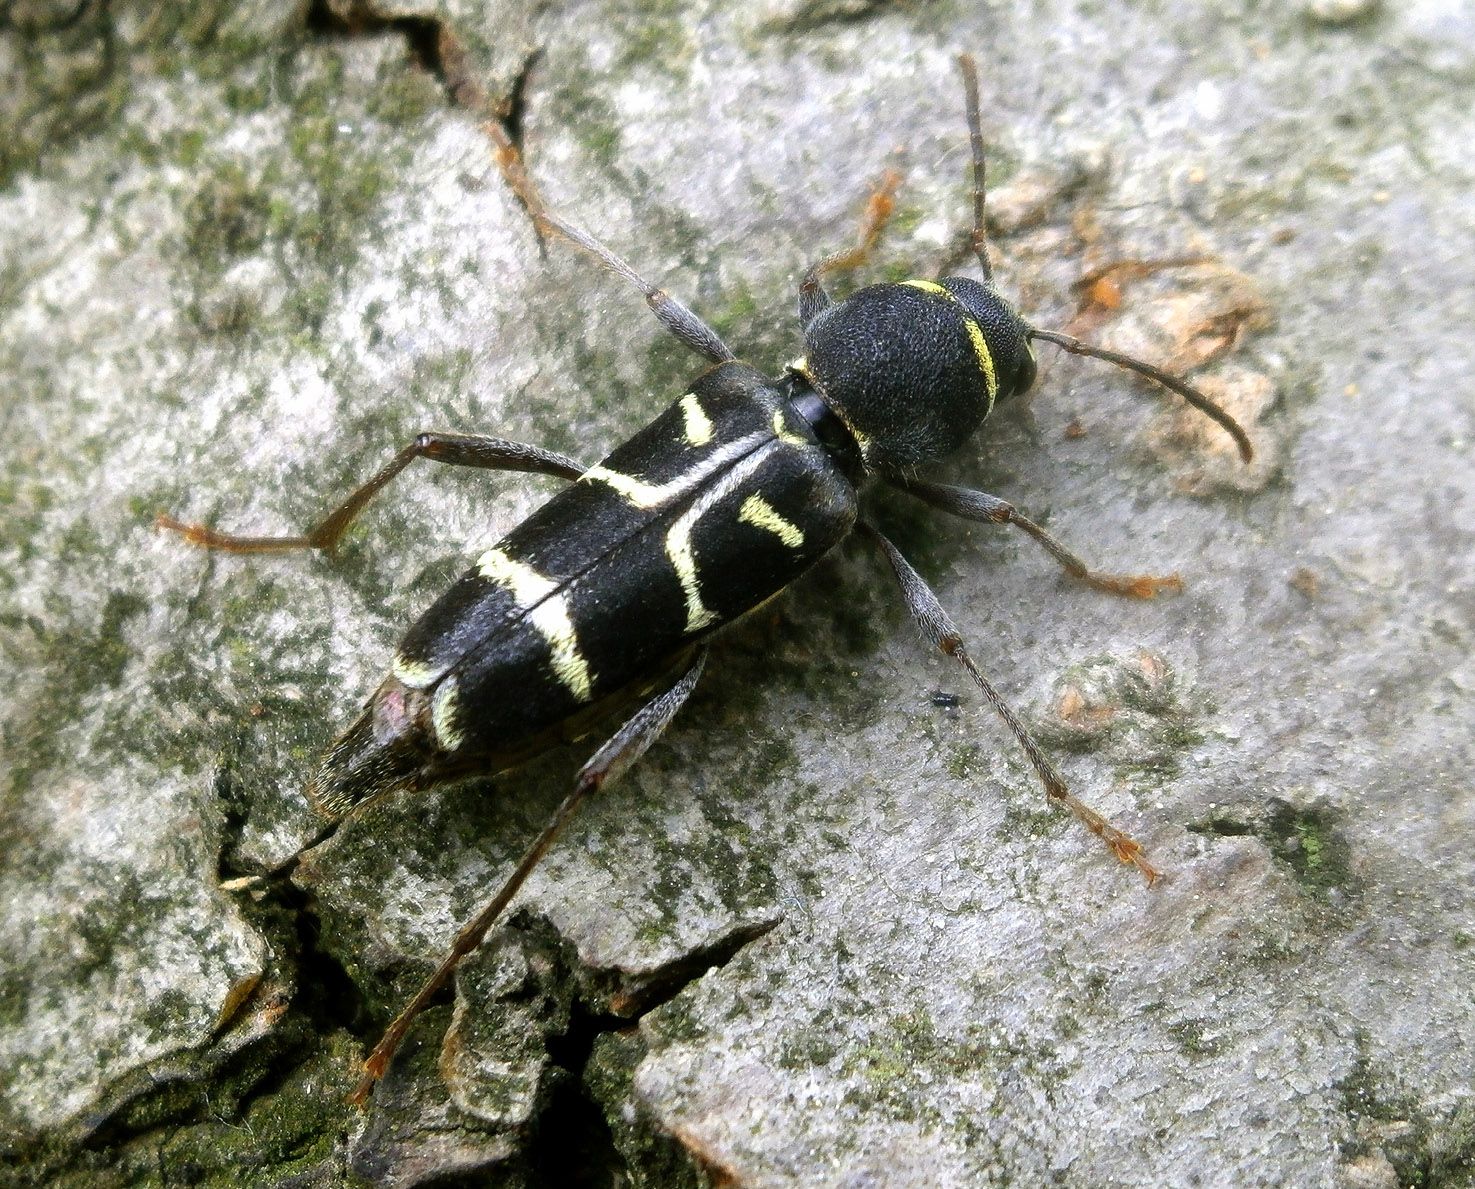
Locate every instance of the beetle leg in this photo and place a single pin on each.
(461, 450)
(610, 762)
(943, 635)
(682, 322)
(812, 296)
(989, 509)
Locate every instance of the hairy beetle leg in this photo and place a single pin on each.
(677, 318)
(461, 450)
(812, 296)
(607, 764)
(968, 504)
(937, 626)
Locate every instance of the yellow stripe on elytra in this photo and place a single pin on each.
(636, 491)
(551, 618)
(757, 510)
(547, 610)
(698, 424)
(678, 538)
(678, 549)
(975, 335)
(443, 707)
(644, 495)
(414, 674)
(782, 432)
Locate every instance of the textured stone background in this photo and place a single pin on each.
(827, 934)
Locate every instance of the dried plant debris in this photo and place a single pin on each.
(1185, 314)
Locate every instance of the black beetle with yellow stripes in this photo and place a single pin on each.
(607, 596)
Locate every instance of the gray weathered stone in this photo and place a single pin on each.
(244, 257)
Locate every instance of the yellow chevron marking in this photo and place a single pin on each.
(443, 707)
(757, 510)
(547, 610)
(698, 424)
(975, 335)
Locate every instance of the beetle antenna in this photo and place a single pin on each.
(978, 240)
(1169, 381)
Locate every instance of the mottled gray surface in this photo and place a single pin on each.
(242, 259)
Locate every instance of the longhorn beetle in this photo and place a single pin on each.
(609, 594)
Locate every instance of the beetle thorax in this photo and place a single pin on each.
(914, 368)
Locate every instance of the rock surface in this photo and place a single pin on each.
(827, 933)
